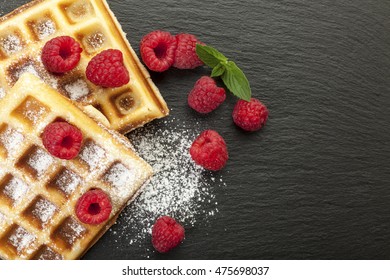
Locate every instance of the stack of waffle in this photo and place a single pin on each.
(24, 32)
(39, 192)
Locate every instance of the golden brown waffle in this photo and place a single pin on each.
(24, 32)
(38, 192)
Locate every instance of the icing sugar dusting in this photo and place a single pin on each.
(40, 161)
(44, 210)
(2, 93)
(11, 44)
(120, 177)
(15, 189)
(92, 154)
(20, 239)
(77, 89)
(11, 139)
(68, 181)
(45, 28)
(28, 68)
(178, 188)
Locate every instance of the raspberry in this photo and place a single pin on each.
(185, 55)
(166, 234)
(250, 116)
(158, 50)
(93, 207)
(206, 96)
(209, 150)
(106, 69)
(61, 54)
(62, 140)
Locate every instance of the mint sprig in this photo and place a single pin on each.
(232, 76)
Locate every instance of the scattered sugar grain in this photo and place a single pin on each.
(77, 89)
(15, 189)
(44, 210)
(21, 239)
(11, 139)
(40, 161)
(11, 44)
(2, 93)
(45, 28)
(178, 188)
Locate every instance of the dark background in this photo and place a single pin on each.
(314, 183)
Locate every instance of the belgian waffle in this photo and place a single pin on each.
(38, 192)
(24, 32)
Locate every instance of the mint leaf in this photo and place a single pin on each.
(236, 81)
(231, 75)
(209, 55)
(218, 70)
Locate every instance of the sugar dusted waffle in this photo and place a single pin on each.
(39, 192)
(24, 32)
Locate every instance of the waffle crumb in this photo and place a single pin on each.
(179, 188)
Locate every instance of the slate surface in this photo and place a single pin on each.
(314, 184)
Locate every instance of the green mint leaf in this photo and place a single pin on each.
(209, 55)
(236, 81)
(218, 70)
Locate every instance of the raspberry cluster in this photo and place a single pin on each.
(62, 54)
(160, 50)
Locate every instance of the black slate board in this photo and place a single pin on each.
(314, 183)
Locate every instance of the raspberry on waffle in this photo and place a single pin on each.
(39, 192)
(24, 32)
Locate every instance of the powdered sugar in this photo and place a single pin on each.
(21, 239)
(11, 44)
(40, 161)
(72, 230)
(120, 178)
(2, 93)
(2, 217)
(11, 139)
(179, 187)
(32, 110)
(15, 189)
(92, 154)
(45, 28)
(27, 68)
(44, 210)
(67, 181)
(77, 89)
(95, 40)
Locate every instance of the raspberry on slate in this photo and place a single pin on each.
(93, 207)
(167, 233)
(106, 69)
(62, 140)
(209, 150)
(206, 96)
(185, 55)
(158, 50)
(250, 116)
(61, 54)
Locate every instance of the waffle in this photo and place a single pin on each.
(38, 192)
(24, 32)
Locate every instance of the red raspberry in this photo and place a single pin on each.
(62, 140)
(106, 69)
(93, 207)
(158, 50)
(206, 96)
(61, 54)
(250, 116)
(166, 234)
(185, 55)
(209, 150)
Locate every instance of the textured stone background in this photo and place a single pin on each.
(314, 184)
